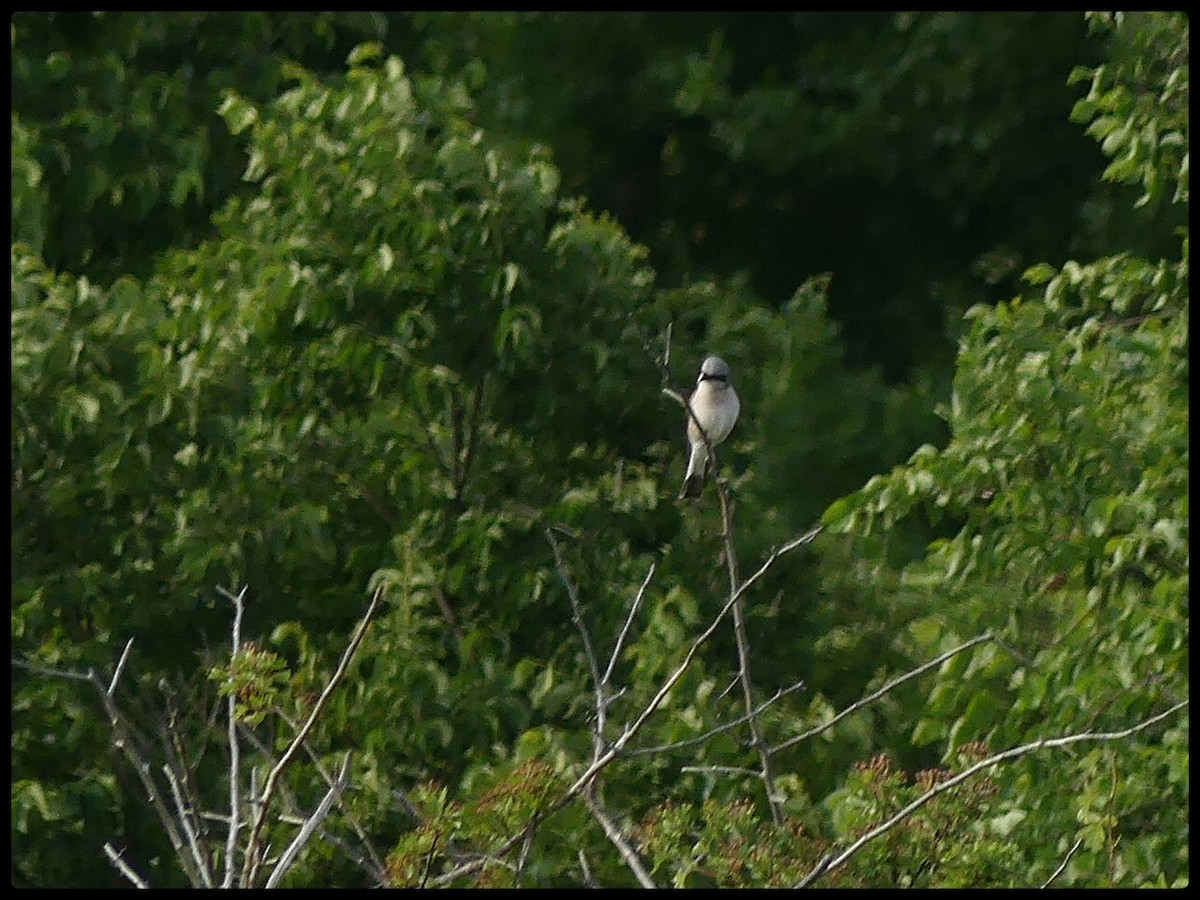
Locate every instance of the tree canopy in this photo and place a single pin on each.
(311, 312)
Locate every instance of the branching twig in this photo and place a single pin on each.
(1063, 866)
(743, 651)
(593, 666)
(831, 862)
(632, 729)
(375, 866)
(123, 867)
(613, 833)
(253, 858)
(185, 819)
(895, 682)
(235, 757)
(128, 743)
(633, 608)
(312, 824)
(713, 732)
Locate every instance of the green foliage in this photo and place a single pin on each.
(1137, 103)
(255, 678)
(956, 839)
(330, 324)
(501, 809)
(1064, 489)
(132, 155)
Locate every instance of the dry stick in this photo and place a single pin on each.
(125, 742)
(186, 820)
(722, 770)
(124, 868)
(372, 866)
(253, 858)
(1063, 866)
(743, 649)
(601, 682)
(235, 753)
(637, 602)
(312, 824)
(713, 732)
(378, 867)
(593, 667)
(829, 863)
(613, 833)
(895, 682)
(633, 728)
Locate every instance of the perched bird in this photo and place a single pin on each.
(716, 406)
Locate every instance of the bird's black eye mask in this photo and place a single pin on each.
(704, 377)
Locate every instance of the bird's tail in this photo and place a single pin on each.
(693, 482)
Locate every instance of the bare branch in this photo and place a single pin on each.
(728, 726)
(112, 685)
(123, 867)
(613, 833)
(54, 673)
(185, 820)
(632, 729)
(637, 602)
(125, 739)
(235, 753)
(577, 615)
(1062, 868)
(312, 824)
(831, 862)
(774, 802)
(375, 866)
(722, 770)
(870, 698)
(254, 858)
(587, 872)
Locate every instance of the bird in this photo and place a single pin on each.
(716, 406)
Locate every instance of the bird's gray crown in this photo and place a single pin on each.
(714, 368)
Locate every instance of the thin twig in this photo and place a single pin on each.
(633, 728)
(376, 866)
(1063, 866)
(235, 753)
(728, 726)
(312, 824)
(254, 859)
(774, 802)
(831, 862)
(523, 857)
(112, 685)
(176, 756)
(55, 673)
(895, 682)
(123, 867)
(637, 602)
(185, 820)
(613, 833)
(587, 872)
(593, 666)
